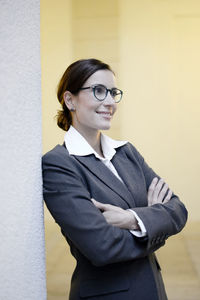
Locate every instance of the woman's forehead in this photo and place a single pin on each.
(104, 77)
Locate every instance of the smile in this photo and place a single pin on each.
(106, 113)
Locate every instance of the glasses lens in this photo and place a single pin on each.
(100, 92)
(116, 94)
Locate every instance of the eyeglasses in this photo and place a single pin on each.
(100, 92)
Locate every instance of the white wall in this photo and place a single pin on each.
(22, 259)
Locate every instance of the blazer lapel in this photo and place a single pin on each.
(129, 176)
(95, 166)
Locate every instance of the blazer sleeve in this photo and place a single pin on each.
(68, 200)
(160, 220)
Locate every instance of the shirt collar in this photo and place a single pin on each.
(76, 144)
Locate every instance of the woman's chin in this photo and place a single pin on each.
(106, 127)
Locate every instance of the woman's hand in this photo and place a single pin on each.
(117, 216)
(157, 192)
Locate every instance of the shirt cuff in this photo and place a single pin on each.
(142, 232)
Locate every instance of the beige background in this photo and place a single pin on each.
(153, 46)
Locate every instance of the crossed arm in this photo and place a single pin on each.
(158, 192)
(68, 200)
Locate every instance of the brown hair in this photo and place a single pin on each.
(72, 80)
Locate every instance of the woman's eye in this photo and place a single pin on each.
(115, 92)
(100, 90)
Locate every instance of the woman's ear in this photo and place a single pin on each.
(68, 100)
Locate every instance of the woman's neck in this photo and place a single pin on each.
(93, 137)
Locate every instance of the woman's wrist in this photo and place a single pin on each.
(133, 223)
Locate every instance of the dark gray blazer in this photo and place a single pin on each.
(112, 264)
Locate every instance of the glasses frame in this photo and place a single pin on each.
(107, 90)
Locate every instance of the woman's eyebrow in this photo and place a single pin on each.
(93, 84)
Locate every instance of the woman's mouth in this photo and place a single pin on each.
(105, 114)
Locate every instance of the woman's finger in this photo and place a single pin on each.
(98, 204)
(103, 206)
(168, 197)
(163, 192)
(151, 191)
(157, 190)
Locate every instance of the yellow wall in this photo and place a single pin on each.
(56, 55)
(95, 33)
(154, 46)
(160, 63)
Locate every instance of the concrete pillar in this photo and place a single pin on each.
(22, 258)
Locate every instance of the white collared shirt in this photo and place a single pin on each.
(73, 139)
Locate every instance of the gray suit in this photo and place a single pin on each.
(112, 264)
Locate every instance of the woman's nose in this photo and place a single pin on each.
(109, 100)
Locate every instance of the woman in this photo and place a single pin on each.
(113, 210)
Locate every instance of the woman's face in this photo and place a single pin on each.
(91, 114)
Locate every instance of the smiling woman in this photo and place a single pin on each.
(89, 114)
(113, 210)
